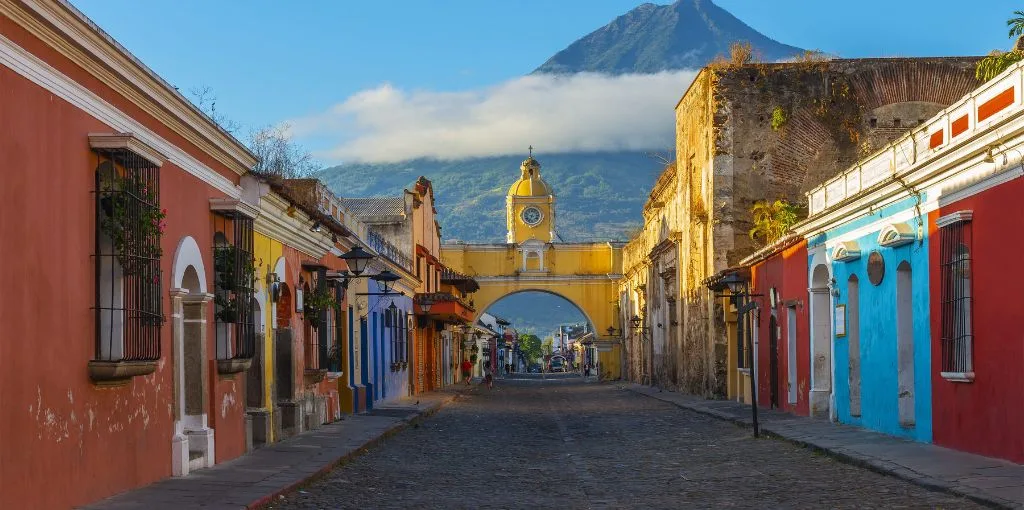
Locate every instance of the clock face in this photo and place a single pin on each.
(531, 216)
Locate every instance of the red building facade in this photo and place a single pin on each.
(95, 398)
(779, 276)
(978, 344)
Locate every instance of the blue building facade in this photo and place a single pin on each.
(879, 287)
(390, 328)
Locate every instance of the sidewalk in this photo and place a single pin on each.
(256, 479)
(983, 479)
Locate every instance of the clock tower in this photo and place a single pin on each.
(530, 206)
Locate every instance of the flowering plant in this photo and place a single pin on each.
(133, 221)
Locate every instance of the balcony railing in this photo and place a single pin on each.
(444, 306)
(978, 111)
(389, 251)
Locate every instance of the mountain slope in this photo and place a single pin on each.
(652, 38)
(598, 195)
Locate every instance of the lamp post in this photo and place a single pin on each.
(737, 286)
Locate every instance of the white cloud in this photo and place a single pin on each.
(582, 112)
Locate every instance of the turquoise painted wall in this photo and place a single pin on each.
(878, 324)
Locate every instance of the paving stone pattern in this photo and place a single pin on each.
(570, 444)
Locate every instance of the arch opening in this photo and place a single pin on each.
(558, 324)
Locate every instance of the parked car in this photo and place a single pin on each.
(556, 365)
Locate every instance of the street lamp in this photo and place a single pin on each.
(737, 285)
(356, 259)
(425, 305)
(637, 323)
(385, 278)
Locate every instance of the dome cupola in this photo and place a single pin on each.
(530, 183)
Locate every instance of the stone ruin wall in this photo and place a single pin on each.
(728, 156)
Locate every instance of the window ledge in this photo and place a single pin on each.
(233, 366)
(114, 373)
(332, 376)
(963, 377)
(745, 371)
(314, 375)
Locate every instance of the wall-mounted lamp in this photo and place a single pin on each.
(384, 279)
(638, 324)
(274, 284)
(356, 260)
(425, 305)
(315, 227)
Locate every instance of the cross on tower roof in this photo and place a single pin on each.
(531, 151)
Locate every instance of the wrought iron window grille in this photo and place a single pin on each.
(129, 226)
(234, 288)
(320, 311)
(957, 310)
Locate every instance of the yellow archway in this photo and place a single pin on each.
(585, 274)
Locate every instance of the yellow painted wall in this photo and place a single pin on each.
(266, 252)
(584, 274)
(560, 259)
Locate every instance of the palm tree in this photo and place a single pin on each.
(1016, 24)
(998, 61)
(772, 219)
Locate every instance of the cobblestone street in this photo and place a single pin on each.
(561, 442)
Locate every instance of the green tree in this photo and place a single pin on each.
(772, 219)
(530, 346)
(1016, 24)
(999, 61)
(548, 346)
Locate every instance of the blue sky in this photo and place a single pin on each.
(272, 61)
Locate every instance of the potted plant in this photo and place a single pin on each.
(317, 301)
(132, 220)
(234, 272)
(334, 356)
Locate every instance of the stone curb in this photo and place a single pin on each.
(411, 419)
(871, 464)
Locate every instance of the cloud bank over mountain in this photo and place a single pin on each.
(583, 112)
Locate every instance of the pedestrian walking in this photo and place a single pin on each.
(467, 370)
(488, 379)
(586, 370)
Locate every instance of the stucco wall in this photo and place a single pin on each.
(390, 384)
(878, 330)
(65, 425)
(984, 416)
(786, 271)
